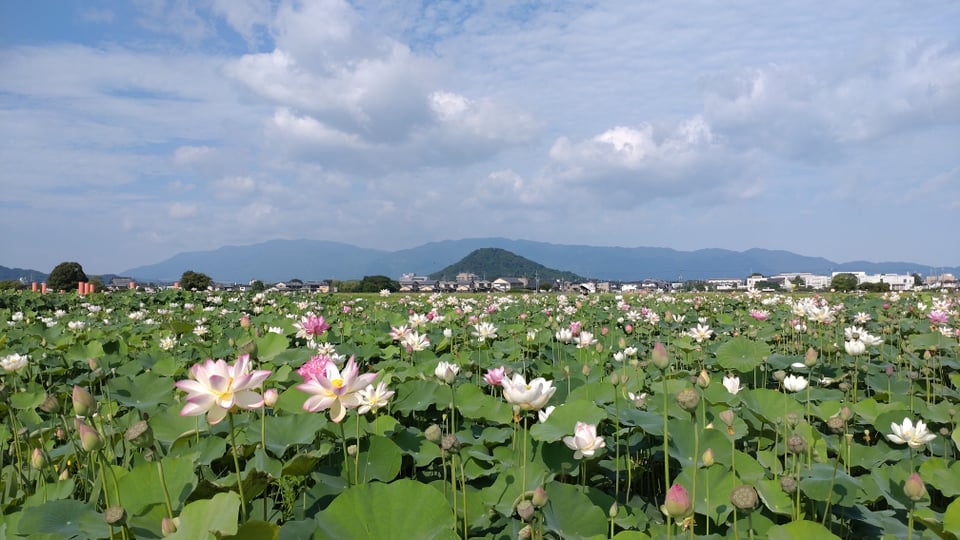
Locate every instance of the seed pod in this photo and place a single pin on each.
(796, 443)
(744, 497)
(688, 399)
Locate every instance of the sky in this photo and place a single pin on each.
(136, 130)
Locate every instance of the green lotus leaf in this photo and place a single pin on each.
(564, 419)
(144, 392)
(473, 403)
(572, 515)
(140, 488)
(217, 515)
(65, 518)
(403, 509)
(741, 354)
(381, 460)
(800, 530)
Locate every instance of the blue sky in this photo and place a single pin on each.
(137, 130)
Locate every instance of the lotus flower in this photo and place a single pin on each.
(794, 383)
(584, 441)
(732, 384)
(912, 436)
(336, 390)
(523, 396)
(215, 388)
(446, 371)
(494, 376)
(311, 326)
(373, 398)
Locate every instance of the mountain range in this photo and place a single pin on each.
(495, 262)
(279, 260)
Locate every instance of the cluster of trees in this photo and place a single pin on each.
(369, 284)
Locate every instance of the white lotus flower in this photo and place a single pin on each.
(446, 371)
(794, 383)
(584, 441)
(524, 396)
(732, 384)
(907, 433)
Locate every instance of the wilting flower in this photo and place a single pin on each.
(14, 362)
(524, 396)
(494, 376)
(907, 433)
(215, 388)
(700, 333)
(373, 398)
(732, 384)
(794, 383)
(336, 390)
(484, 331)
(446, 371)
(311, 326)
(639, 400)
(544, 414)
(584, 441)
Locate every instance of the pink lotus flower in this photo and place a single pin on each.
(315, 367)
(938, 317)
(336, 390)
(494, 376)
(311, 326)
(215, 388)
(759, 314)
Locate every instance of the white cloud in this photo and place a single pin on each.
(233, 187)
(181, 210)
(188, 155)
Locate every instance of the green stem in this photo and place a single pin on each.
(346, 458)
(666, 437)
(236, 465)
(163, 487)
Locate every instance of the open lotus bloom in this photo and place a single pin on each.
(523, 396)
(216, 387)
(336, 390)
(907, 433)
(584, 441)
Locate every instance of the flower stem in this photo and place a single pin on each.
(346, 458)
(236, 465)
(666, 437)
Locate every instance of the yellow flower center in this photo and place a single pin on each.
(337, 383)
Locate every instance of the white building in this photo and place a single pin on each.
(897, 282)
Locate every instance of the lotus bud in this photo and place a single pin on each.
(586, 369)
(744, 497)
(703, 380)
(615, 379)
(244, 322)
(64, 475)
(352, 450)
(115, 515)
(525, 533)
(788, 484)
(688, 399)
(525, 510)
(796, 443)
(677, 502)
(846, 413)
(168, 526)
(613, 510)
(539, 498)
(139, 434)
(727, 417)
(37, 459)
(628, 328)
(83, 402)
(914, 487)
(659, 356)
(708, 459)
(90, 439)
(433, 433)
(50, 405)
(622, 343)
(810, 358)
(270, 396)
(60, 434)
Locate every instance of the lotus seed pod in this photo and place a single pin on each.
(525, 510)
(352, 450)
(115, 515)
(659, 356)
(433, 433)
(796, 443)
(836, 424)
(788, 484)
(727, 417)
(844, 386)
(450, 443)
(779, 375)
(688, 399)
(539, 498)
(914, 487)
(744, 497)
(139, 434)
(793, 419)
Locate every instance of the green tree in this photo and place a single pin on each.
(66, 276)
(257, 286)
(195, 280)
(11, 285)
(378, 283)
(844, 282)
(917, 279)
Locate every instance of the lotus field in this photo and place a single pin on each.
(191, 415)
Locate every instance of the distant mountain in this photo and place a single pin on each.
(493, 263)
(21, 273)
(279, 260)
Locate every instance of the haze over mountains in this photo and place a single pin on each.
(278, 260)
